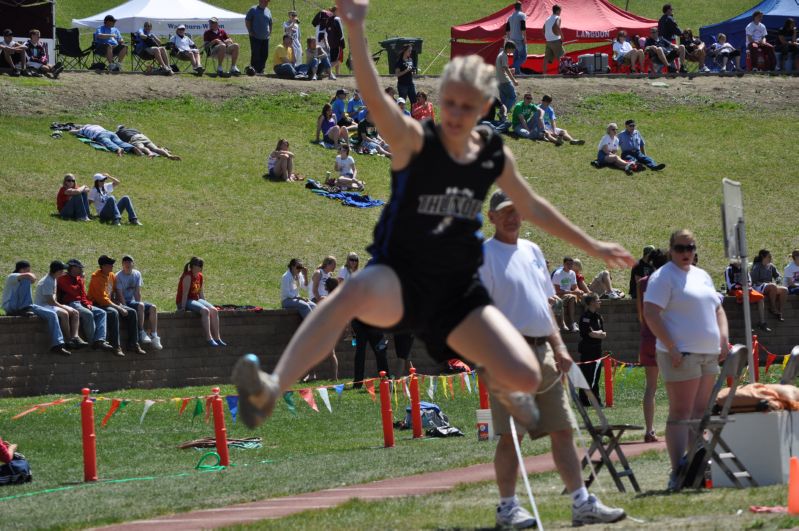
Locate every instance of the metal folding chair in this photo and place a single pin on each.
(605, 441)
(68, 50)
(791, 368)
(184, 65)
(142, 62)
(707, 432)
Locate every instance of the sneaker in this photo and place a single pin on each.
(136, 222)
(15, 73)
(615, 295)
(220, 72)
(313, 77)
(704, 69)
(595, 163)
(763, 327)
(144, 339)
(628, 169)
(57, 69)
(212, 343)
(156, 342)
(577, 142)
(650, 437)
(77, 342)
(103, 345)
(60, 349)
(658, 167)
(515, 517)
(575, 328)
(118, 352)
(594, 511)
(221, 343)
(254, 384)
(332, 76)
(199, 71)
(235, 71)
(136, 349)
(116, 223)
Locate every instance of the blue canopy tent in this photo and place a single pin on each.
(774, 14)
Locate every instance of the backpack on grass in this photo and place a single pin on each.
(16, 472)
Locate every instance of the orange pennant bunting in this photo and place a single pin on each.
(114, 406)
(451, 390)
(370, 388)
(307, 395)
(461, 379)
(183, 405)
(208, 409)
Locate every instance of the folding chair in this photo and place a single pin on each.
(183, 65)
(68, 50)
(206, 51)
(605, 441)
(704, 447)
(791, 368)
(143, 61)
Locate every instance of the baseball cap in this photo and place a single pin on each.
(182, 26)
(22, 264)
(7, 32)
(57, 265)
(400, 100)
(498, 201)
(74, 262)
(99, 177)
(214, 20)
(341, 91)
(629, 122)
(109, 18)
(648, 249)
(127, 258)
(105, 260)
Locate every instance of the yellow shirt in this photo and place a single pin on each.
(283, 55)
(100, 288)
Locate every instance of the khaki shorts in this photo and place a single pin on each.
(693, 366)
(556, 414)
(141, 141)
(228, 49)
(553, 50)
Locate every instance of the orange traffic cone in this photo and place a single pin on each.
(793, 486)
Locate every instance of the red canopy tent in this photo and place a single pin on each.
(582, 21)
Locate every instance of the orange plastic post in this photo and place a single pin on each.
(793, 486)
(219, 428)
(416, 407)
(608, 370)
(483, 392)
(89, 437)
(385, 411)
(756, 358)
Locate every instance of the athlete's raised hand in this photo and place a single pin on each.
(614, 255)
(352, 12)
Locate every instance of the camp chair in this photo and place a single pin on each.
(605, 441)
(143, 61)
(68, 51)
(708, 430)
(791, 368)
(183, 65)
(206, 51)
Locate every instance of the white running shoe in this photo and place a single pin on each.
(594, 511)
(156, 342)
(252, 382)
(515, 517)
(332, 76)
(144, 339)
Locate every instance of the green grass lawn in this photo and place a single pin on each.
(308, 452)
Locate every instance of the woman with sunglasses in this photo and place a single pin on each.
(684, 312)
(427, 247)
(608, 154)
(349, 268)
(292, 284)
(72, 200)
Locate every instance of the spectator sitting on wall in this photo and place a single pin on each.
(186, 50)
(633, 147)
(551, 128)
(790, 275)
(72, 201)
(128, 290)
(108, 42)
(14, 53)
(316, 59)
(37, 57)
(601, 285)
(17, 300)
(71, 291)
(766, 280)
(68, 317)
(191, 298)
(101, 293)
(694, 49)
(293, 282)
(762, 53)
(218, 44)
(139, 140)
(323, 272)
(149, 43)
(733, 278)
(564, 280)
(370, 140)
(284, 60)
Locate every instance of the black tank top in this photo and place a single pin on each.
(434, 216)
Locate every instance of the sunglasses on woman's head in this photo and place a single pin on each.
(680, 248)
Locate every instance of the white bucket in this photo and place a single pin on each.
(485, 425)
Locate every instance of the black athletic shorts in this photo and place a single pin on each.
(435, 304)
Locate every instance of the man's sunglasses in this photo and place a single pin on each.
(680, 248)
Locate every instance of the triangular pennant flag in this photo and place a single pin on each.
(288, 398)
(451, 390)
(405, 387)
(198, 409)
(473, 374)
(325, 396)
(394, 392)
(307, 395)
(443, 380)
(770, 359)
(431, 389)
(115, 403)
(233, 406)
(339, 389)
(208, 408)
(178, 402)
(461, 379)
(468, 382)
(183, 403)
(27, 411)
(370, 388)
(785, 359)
(147, 405)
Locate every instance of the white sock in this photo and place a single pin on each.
(510, 501)
(579, 496)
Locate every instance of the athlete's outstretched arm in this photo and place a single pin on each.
(539, 211)
(402, 133)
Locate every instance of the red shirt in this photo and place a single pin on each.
(70, 289)
(210, 35)
(195, 287)
(5, 455)
(62, 198)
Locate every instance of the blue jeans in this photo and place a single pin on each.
(519, 57)
(111, 141)
(408, 92)
(286, 71)
(497, 125)
(77, 207)
(22, 301)
(638, 156)
(92, 320)
(317, 66)
(113, 209)
(197, 306)
(534, 133)
(304, 307)
(507, 95)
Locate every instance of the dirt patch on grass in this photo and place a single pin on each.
(78, 91)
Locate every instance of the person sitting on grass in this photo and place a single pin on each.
(555, 133)
(497, 117)
(185, 49)
(149, 44)
(608, 149)
(191, 298)
(345, 166)
(355, 105)
(106, 205)
(38, 59)
(280, 164)
(633, 147)
(370, 140)
(332, 133)
(72, 201)
(284, 60)
(423, 109)
(528, 119)
(106, 138)
(128, 289)
(790, 274)
(218, 44)
(316, 59)
(14, 53)
(17, 300)
(733, 278)
(139, 140)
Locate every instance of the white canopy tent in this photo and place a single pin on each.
(166, 15)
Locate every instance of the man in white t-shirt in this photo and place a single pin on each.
(790, 275)
(554, 37)
(515, 274)
(564, 279)
(762, 53)
(516, 32)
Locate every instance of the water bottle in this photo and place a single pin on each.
(354, 342)
(327, 177)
